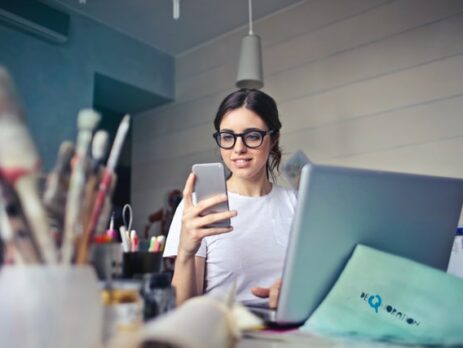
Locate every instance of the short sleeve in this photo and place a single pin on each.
(173, 237)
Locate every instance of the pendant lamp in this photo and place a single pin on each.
(250, 72)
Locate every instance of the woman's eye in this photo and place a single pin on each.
(227, 137)
(253, 136)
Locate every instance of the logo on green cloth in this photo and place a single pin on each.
(376, 302)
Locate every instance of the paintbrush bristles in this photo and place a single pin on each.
(16, 147)
(87, 119)
(9, 106)
(99, 145)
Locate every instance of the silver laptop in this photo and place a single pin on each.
(414, 216)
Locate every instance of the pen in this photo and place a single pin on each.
(125, 242)
(152, 244)
(134, 240)
(161, 241)
(110, 232)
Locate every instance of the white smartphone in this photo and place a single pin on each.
(210, 181)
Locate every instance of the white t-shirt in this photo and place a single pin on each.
(253, 253)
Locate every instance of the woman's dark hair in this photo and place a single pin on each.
(264, 106)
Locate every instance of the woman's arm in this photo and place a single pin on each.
(189, 269)
(188, 278)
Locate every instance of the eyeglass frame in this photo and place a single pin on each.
(242, 135)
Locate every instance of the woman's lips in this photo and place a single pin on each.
(242, 162)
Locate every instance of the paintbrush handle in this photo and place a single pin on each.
(90, 193)
(26, 188)
(118, 142)
(97, 208)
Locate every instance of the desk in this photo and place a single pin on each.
(295, 340)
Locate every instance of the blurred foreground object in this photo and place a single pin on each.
(19, 166)
(203, 321)
(51, 306)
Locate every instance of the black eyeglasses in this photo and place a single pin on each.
(252, 138)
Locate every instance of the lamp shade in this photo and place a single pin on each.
(250, 72)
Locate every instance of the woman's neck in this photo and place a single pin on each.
(252, 188)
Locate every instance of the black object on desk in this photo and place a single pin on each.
(141, 262)
(158, 294)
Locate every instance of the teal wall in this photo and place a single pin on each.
(54, 81)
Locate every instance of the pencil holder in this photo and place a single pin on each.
(50, 306)
(141, 262)
(107, 260)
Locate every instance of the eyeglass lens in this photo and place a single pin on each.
(251, 139)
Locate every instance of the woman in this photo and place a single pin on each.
(251, 252)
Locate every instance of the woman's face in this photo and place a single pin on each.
(244, 162)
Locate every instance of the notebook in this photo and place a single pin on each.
(414, 216)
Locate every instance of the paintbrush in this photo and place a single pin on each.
(87, 120)
(99, 148)
(57, 185)
(19, 166)
(104, 187)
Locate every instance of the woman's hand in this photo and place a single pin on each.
(271, 293)
(194, 225)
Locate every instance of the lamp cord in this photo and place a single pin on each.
(250, 17)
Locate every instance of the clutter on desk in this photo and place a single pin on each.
(122, 308)
(203, 321)
(386, 297)
(158, 294)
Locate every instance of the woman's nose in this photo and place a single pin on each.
(239, 147)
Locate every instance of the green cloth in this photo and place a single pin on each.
(386, 297)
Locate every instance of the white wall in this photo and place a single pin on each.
(364, 83)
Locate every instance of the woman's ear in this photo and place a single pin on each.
(275, 139)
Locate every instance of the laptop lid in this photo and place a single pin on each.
(413, 216)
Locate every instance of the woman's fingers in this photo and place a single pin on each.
(195, 221)
(212, 218)
(273, 293)
(211, 231)
(197, 211)
(188, 191)
(210, 202)
(261, 292)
